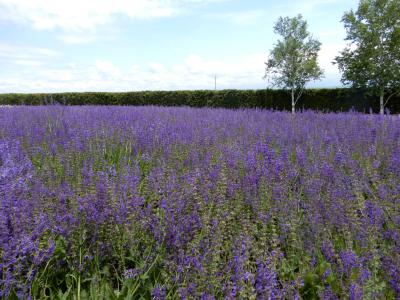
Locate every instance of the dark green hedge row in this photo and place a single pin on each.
(317, 99)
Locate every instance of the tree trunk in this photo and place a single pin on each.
(293, 103)
(382, 106)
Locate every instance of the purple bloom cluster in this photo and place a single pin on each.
(199, 203)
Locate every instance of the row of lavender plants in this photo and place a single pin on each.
(180, 203)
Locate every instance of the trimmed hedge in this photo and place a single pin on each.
(341, 99)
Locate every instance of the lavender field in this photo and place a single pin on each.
(181, 203)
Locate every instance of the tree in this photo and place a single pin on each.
(372, 57)
(294, 60)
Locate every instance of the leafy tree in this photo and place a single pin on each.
(372, 57)
(293, 61)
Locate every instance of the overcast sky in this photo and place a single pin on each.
(128, 45)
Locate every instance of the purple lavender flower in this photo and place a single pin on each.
(328, 251)
(159, 292)
(328, 294)
(355, 292)
(349, 260)
(374, 213)
(201, 197)
(131, 273)
(266, 282)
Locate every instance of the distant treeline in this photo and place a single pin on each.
(327, 100)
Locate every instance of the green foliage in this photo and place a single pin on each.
(80, 279)
(372, 58)
(342, 99)
(294, 60)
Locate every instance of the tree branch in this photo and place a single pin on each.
(390, 96)
(299, 95)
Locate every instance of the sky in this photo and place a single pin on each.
(131, 45)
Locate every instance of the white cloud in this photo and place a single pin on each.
(287, 8)
(28, 62)
(77, 38)
(106, 70)
(156, 68)
(326, 56)
(25, 56)
(194, 72)
(307, 7)
(240, 17)
(83, 15)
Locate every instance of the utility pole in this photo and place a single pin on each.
(215, 81)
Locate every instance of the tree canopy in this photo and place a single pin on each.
(294, 60)
(372, 57)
